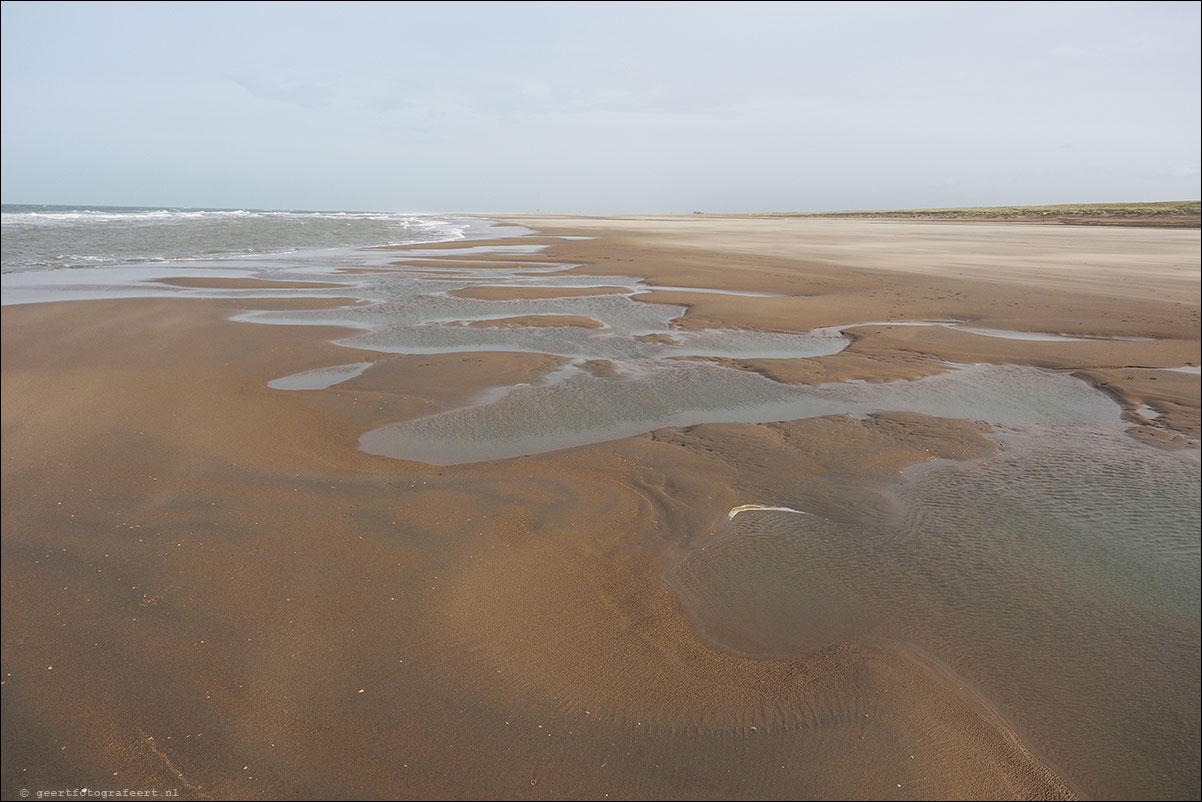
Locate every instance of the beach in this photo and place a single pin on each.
(210, 585)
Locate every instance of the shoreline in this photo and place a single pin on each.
(524, 602)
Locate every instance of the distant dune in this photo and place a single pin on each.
(1167, 214)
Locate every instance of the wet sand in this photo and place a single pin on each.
(207, 586)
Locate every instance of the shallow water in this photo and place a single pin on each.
(579, 408)
(1003, 334)
(703, 290)
(1147, 412)
(321, 378)
(1060, 577)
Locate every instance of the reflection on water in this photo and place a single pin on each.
(1004, 334)
(1060, 577)
(581, 408)
(321, 378)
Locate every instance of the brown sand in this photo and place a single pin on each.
(203, 574)
(536, 321)
(495, 293)
(208, 587)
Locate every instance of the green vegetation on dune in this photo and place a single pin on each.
(1166, 213)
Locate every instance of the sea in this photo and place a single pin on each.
(40, 237)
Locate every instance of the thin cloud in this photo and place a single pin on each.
(308, 92)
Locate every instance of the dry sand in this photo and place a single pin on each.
(208, 587)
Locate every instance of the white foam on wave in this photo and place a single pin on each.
(94, 215)
(443, 228)
(39, 238)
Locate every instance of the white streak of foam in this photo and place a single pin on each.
(752, 507)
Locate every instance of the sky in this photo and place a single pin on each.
(599, 107)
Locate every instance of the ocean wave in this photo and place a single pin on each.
(98, 215)
(52, 236)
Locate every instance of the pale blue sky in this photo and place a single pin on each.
(608, 107)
